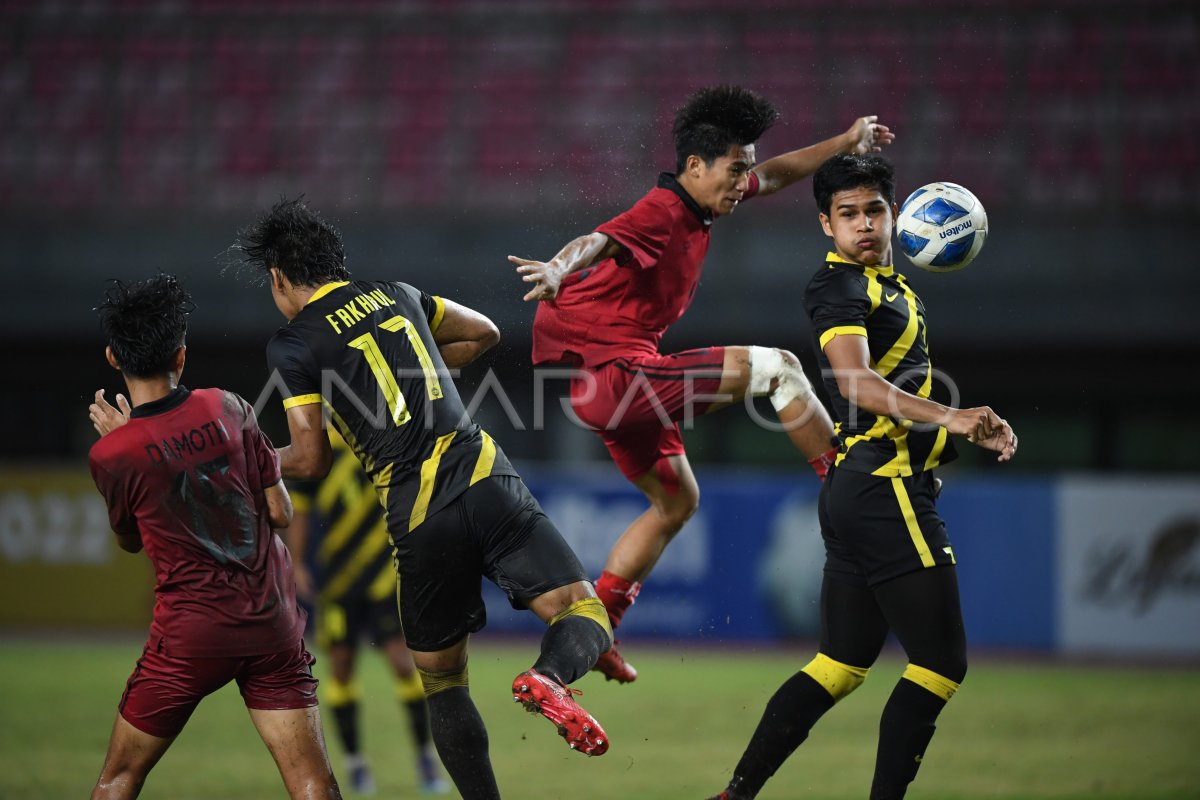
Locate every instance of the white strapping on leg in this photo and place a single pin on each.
(767, 364)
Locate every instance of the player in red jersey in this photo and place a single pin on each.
(608, 297)
(189, 476)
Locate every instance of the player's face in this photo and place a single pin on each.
(860, 222)
(720, 187)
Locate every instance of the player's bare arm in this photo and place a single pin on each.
(279, 505)
(861, 385)
(464, 334)
(309, 456)
(866, 135)
(296, 539)
(547, 276)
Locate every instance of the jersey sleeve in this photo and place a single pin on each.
(433, 306)
(644, 231)
(261, 455)
(837, 304)
(120, 515)
(291, 368)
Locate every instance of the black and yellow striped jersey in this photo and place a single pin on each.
(365, 350)
(845, 298)
(349, 540)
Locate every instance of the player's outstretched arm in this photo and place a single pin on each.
(464, 334)
(861, 385)
(547, 276)
(309, 456)
(866, 135)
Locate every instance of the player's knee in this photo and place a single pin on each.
(938, 683)
(835, 677)
(679, 509)
(409, 688)
(436, 682)
(340, 693)
(778, 374)
(593, 609)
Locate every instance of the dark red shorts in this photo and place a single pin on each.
(636, 404)
(164, 690)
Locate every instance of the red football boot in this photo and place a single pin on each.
(614, 667)
(553, 701)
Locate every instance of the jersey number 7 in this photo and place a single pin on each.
(383, 373)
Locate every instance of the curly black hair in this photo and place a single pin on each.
(717, 118)
(145, 323)
(844, 172)
(294, 238)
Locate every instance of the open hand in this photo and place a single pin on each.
(546, 278)
(868, 136)
(105, 418)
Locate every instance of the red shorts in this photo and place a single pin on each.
(163, 690)
(635, 404)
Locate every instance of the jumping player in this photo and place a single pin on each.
(608, 297)
(888, 560)
(373, 356)
(189, 476)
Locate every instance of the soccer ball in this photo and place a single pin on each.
(941, 227)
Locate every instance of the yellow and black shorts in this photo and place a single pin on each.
(349, 619)
(878, 528)
(495, 529)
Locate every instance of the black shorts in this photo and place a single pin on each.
(876, 529)
(345, 621)
(494, 529)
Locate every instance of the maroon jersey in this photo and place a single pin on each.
(187, 474)
(622, 306)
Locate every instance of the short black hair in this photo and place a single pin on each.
(145, 323)
(294, 238)
(843, 172)
(717, 118)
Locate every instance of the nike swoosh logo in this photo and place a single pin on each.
(892, 296)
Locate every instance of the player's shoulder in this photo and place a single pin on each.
(837, 277)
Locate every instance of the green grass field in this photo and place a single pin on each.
(1017, 729)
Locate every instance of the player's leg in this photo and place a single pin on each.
(297, 743)
(458, 730)
(131, 755)
(280, 693)
(924, 610)
(440, 605)
(853, 630)
(343, 696)
(410, 694)
(777, 374)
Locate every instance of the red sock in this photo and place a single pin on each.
(823, 462)
(617, 594)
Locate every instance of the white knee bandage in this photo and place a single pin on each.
(768, 364)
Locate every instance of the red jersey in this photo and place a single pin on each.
(187, 473)
(622, 306)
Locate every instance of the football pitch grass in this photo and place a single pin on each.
(1019, 729)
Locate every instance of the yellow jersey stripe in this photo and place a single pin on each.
(439, 312)
(300, 400)
(384, 584)
(364, 458)
(383, 485)
(339, 482)
(346, 526)
(910, 520)
(428, 476)
(324, 290)
(899, 463)
(939, 444)
(487, 457)
(897, 352)
(363, 557)
(842, 330)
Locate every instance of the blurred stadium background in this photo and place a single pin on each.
(139, 135)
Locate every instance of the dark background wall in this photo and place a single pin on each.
(441, 137)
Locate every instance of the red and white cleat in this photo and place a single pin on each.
(614, 667)
(546, 696)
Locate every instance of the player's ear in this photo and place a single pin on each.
(111, 359)
(825, 224)
(895, 212)
(180, 358)
(693, 166)
(277, 278)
